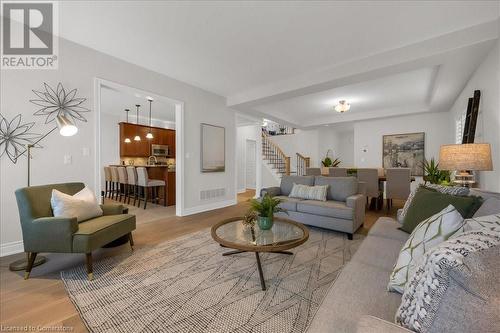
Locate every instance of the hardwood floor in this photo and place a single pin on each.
(42, 301)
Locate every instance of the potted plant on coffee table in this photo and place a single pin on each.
(265, 209)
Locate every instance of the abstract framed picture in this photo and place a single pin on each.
(213, 148)
(404, 151)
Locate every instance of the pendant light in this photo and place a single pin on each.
(137, 137)
(127, 140)
(149, 135)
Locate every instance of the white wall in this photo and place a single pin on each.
(110, 140)
(302, 142)
(78, 66)
(341, 143)
(484, 79)
(368, 135)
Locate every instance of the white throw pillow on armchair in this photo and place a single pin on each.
(83, 205)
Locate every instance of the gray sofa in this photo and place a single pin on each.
(359, 301)
(343, 211)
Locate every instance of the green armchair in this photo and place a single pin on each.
(42, 232)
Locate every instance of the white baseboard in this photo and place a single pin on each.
(7, 249)
(208, 207)
(243, 190)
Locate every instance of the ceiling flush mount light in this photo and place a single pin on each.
(127, 140)
(137, 137)
(149, 135)
(343, 106)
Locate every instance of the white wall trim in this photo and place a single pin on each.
(210, 206)
(179, 137)
(241, 190)
(7, 249)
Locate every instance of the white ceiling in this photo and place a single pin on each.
(282, 59)
(404, 90)
(115, 102)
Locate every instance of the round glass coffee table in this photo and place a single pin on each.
(284, 235)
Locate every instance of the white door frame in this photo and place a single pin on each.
(246, 165)
(257, 122)
(179, 137)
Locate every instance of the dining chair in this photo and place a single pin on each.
(147, 184)
(115, 183)
(370, 177)
(337, 172)
(313, 171)
(132, 182)
(398, 181)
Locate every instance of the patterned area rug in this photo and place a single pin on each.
(186, 285)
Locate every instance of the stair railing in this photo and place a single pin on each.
(275, 155)
(302, 164)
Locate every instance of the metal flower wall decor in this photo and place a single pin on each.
(14, 136)
(59, 102)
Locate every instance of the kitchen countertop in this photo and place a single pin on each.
(145, 166)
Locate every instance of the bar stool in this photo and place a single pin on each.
(132, 182)
(145, 183)
(115, 184)
(107, 181)
(123, 179)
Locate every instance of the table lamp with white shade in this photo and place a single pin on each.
(464, 158)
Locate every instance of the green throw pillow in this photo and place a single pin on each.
(428, 202)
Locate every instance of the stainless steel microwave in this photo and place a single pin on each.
(159, 150)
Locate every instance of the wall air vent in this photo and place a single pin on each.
(212, 194)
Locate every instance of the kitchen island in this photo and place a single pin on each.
(160, 172)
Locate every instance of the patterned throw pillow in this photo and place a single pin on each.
(490, 222)
(427, 234)
(453, 190)
(306, 192)
(425, 293)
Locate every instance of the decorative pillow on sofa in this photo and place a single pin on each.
(309, 192)
(490, 206)
(426, 235)
(340, 188)
(490, 222)
(454, 288)
(428, 202)
(83, 205)
(453, 190)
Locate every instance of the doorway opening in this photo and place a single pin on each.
(141, 130)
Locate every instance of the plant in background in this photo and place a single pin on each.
(433, 175)
(327, 162)
(265, 208)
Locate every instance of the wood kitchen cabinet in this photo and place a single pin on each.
(171, 188)
(161, 136)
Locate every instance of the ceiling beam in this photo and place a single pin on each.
(431, 52)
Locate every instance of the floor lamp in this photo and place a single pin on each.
(66, 128)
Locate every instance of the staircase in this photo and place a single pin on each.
(278, 162)
(274, 156)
